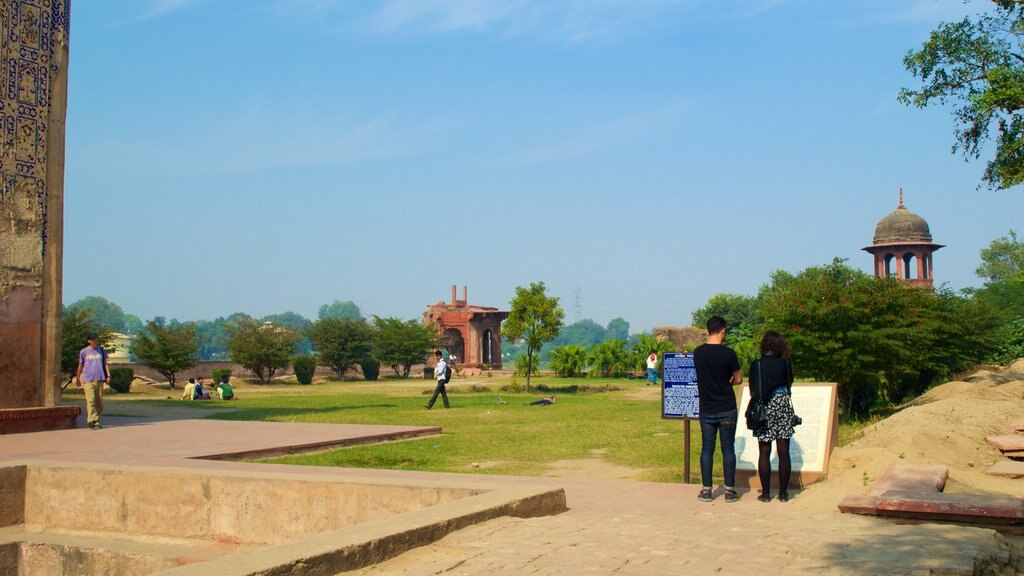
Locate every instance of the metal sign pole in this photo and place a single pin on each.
(686, 451)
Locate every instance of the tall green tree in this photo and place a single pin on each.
(618, 328)
(535, 318)
(340, 310)
(977, 65)
(103, 311)
(1003, 259)
(878, 338)
(166, 348)
(261, 347)
(736, 309)
(569, 360)
(342, 343)
(401, 345)
(297, 322)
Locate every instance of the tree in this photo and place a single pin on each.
(644, 346)
(536, 318)
(341, 343)
(979, 66)
(103, 311)
(261, 347)
(618, 328)
(167, 348)
(736, 309)
(569, 360)
(878, 338)
(1003, 260)
(339, 310)
(401, 345)
(76, 325)
(609, 358)
(296, 322)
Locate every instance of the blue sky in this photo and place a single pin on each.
(271, 155)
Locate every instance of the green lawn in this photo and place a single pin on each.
(500, 431)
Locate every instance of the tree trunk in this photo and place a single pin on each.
(529, 366)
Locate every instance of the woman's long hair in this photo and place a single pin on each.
(774, 342)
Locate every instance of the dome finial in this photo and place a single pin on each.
(901, 198)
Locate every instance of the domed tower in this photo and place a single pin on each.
(904, 237)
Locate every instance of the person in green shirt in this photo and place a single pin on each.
(225, 390)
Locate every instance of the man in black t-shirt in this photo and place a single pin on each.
(718, 370)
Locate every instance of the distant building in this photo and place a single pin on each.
(471, 333)
(903, 247)
(122, 344)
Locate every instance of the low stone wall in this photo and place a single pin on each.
(227, 508)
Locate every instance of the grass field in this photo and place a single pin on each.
(614, 420)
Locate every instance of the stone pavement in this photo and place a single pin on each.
(612, 527)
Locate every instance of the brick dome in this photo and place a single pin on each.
(902, 226)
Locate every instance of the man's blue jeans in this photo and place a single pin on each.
(724, 426)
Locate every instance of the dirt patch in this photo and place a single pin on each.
(594, 467)
(948, 425)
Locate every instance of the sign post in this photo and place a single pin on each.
(679, 399)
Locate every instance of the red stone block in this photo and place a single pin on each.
(19, 420)
(952, 507)
(854, 504)
(1014, 454)
(911, 478)
(1007, 443)
(1008, 469)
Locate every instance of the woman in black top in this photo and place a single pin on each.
(771, 377)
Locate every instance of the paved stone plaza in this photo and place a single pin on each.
(611, 526)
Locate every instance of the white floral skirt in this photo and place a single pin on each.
(780, 419)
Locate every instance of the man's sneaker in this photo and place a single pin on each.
(731, 496)
(92, 425)
(704, 495)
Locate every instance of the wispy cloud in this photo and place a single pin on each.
(568, 21)
(158, 8)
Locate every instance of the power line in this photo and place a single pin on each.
(577, 303)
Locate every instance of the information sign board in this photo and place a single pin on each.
(679, 398)
(812, 442)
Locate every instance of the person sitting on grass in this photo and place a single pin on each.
(200, 393)
(225, 390)
(189, 393)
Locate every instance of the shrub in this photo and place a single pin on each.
(371, 368)
(217, 373)
(304, 366)
(121, 379)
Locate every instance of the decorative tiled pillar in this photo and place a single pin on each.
(33, 105)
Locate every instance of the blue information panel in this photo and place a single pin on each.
(679, 386)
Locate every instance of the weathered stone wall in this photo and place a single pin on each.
(33, 104)
(686, 338)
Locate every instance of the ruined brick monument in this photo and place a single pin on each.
(33, 105)
(471, 333)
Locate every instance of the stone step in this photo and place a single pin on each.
(1012, 442)
(911, 478)
(952, 507)
(1008, 469)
